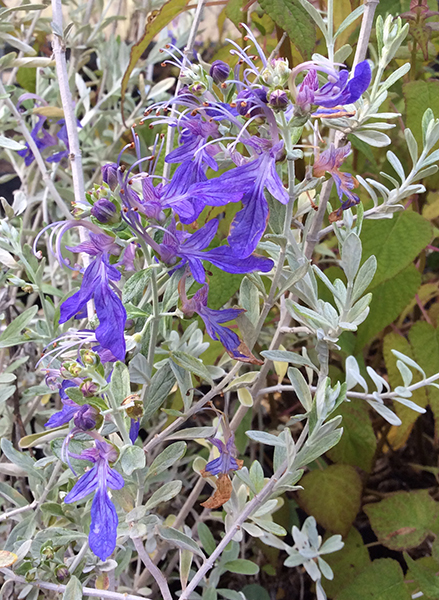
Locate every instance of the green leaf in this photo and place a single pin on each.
(241, 566)
(193, 433)
(398, 435)
(11, 335)
(27, 79)
(192, 364)
(22, 460)
(29, 441)
(424, 339)
(181, 540)
(159, 389)
(358, 443)
(120, 382)
(420, 95)
(347, 562)
(294, 19)
(222, 286)
(403, 520)
(155, 23)
(167, 458)
(206, 538)
(164, 494)
(388, 301)
(382, 580)
(425, 578)
(133, 457)
(73, 589)
(386, 238)
(332, 496)
(234, 11)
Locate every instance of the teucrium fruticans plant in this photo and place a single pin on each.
(143, 239)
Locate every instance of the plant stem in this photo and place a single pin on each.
(60, 589)
(37, 155)
(67, 104)
(248, 510)
(365, 31)
(153, 569)
(188, 49)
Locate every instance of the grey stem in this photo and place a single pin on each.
(153, 569)
(366, 28)
(57, 587)
(67, 104)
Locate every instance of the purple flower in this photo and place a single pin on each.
(134, 430)
(214, 320)
(226, 461)
(339, 90)
(249, 223)
(63, 137)
(191, 248)
(96, 284)
(194, 135)
(251, 102)
(330, 161)
(42, 138)
(84, 417)
(104, 520)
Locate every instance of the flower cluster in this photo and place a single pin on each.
(235, 132)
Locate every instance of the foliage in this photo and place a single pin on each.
(219, 300)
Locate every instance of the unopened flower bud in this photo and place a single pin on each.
(73, 368)
(88, 357)
(62, 573)
(47, 552)
(278, 99)
(104, 211)
(219, 71)
(89, 389)
(30, 576)
(276, 73)
(109, 175)
(86, 417)
(197, 89)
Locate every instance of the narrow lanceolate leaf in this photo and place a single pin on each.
(21, 459)
(163, 494)
(179, 539)
(156, 22)
(11, 335)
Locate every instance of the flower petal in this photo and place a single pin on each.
(83, 487)
(103, 528)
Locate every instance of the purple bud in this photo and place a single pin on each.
(109, 175)
(85, 417)
(89, 389)
(278, 99)
(249, 102)
(104, 211)
(219, 71)
(62, 573)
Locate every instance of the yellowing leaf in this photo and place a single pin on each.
(156, 22)
(7, 558)
(53, 112)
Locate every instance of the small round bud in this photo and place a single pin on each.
(62, 573)
(276, 73)
(105, 212)
(278, 99)
(89, 389)
(47, 552)
(109, 175)
(219, 71)
(133, 406)
(30, 576)
(73, 368)
(88, 357)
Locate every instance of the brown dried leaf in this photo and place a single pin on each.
(102, 582)
(222, 493)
